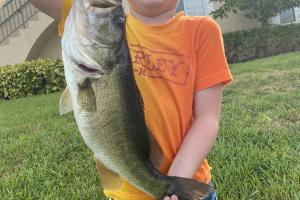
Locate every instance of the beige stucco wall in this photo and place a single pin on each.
(235, 22)
(47, 45)
(17, 48)
(52, 48)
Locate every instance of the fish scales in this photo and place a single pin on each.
(124, 148)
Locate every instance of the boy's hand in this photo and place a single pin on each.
(173, 197)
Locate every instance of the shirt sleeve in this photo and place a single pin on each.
(212, 67)
(65, 9)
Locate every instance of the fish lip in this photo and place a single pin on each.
(104, 3)
(87, 69)
(97, 10)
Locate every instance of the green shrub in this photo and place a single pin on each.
(261, 42)
(31, 78)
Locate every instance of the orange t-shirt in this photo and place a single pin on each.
(171, 62)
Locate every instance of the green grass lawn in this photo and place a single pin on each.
(257, 155)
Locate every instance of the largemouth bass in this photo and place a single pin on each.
(106, 102)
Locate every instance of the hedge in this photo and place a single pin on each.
(31, 78)
(261, 42)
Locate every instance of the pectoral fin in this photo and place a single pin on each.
(65, 103)
(109, 180)
(156, 154)
(86, 97)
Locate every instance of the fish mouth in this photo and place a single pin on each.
(101, 7)
(102, 4)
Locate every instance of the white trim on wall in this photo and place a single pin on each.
(297, 13)
(287, 17)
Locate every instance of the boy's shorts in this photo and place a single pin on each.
(212, 196)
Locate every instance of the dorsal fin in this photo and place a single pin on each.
(65, 103)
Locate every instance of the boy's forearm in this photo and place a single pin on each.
(195, 147)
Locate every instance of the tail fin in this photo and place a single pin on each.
(189, 189)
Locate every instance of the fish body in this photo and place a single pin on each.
(106, 102)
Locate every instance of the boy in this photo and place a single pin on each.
(180, 69)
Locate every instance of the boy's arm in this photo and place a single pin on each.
(50, 7)
(202, 134)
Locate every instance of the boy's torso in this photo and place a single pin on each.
(164, 65)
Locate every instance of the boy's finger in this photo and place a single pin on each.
(167, 198)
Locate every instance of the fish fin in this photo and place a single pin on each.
(188, 189)
(65, 103)
(109, 180)
(86, 97)
(155, 154)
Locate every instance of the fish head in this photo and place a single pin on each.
(91, 41)
(92, 37)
